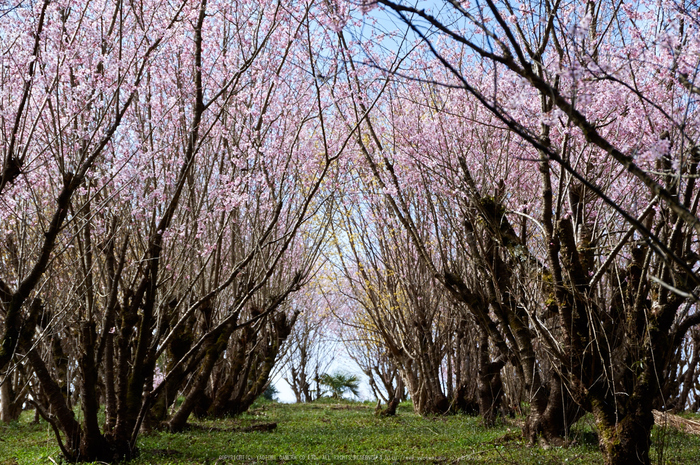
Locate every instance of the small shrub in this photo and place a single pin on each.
(270, 393)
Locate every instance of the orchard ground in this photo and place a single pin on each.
(345, 432)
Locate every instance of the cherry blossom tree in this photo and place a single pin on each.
(400, 307)
(312, 346)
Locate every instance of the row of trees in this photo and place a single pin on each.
(162, 194)
(537, 162)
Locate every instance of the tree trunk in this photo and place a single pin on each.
(110, 395)
(551, 421)
(13, 394)
(426, 399)
(63, 417)
(628, 441)
(93, 445)
(490, 383)
(178, 422)
(10, 405)
(213, 351)
(247, 378)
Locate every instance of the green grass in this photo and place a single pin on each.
(342, 432)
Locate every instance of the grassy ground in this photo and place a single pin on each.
(345, 432)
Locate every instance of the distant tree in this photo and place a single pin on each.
(310, 348)
(339, 383)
